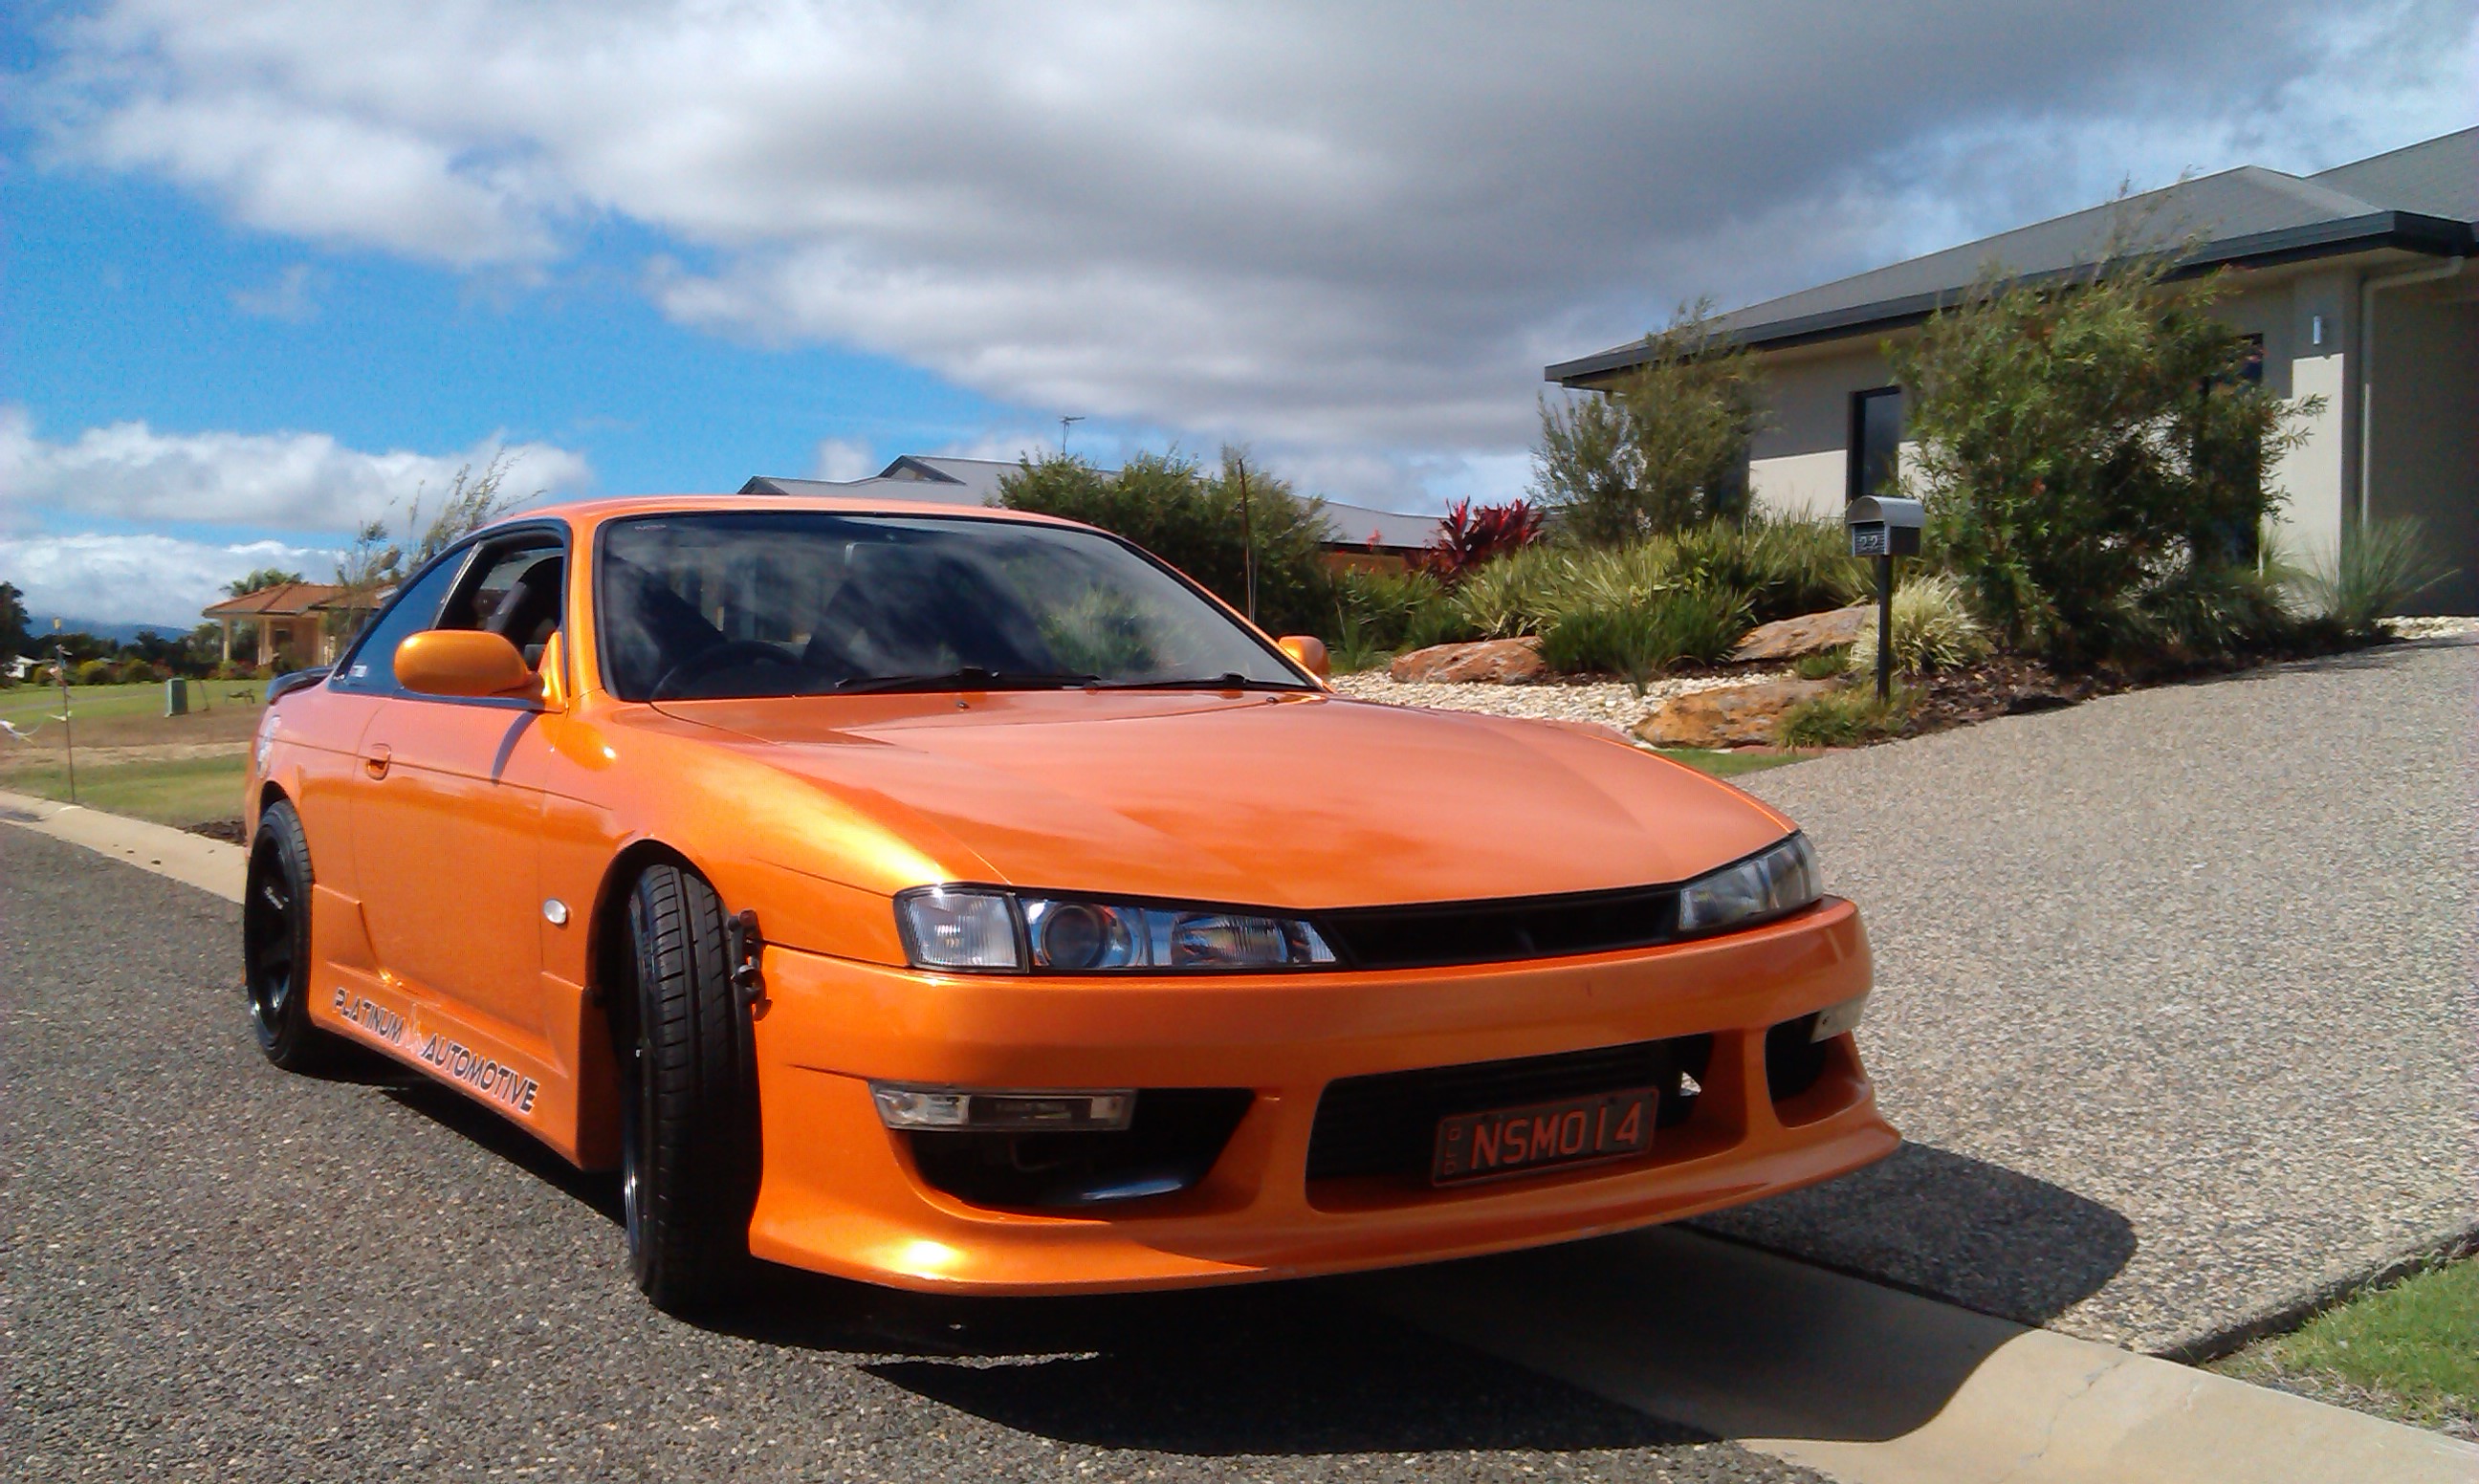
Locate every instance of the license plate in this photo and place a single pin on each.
(1571, 1130)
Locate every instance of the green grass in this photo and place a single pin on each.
(1722, 764)
(23, 703)
(179, 791)
(2411, 1350)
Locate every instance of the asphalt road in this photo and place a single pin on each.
(211, 1268)
(2174, 996)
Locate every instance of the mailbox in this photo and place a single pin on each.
(1886, 525)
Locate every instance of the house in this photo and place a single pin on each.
(290, 620)
(1358, 535)
(2355, 282)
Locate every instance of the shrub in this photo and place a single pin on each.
(1786, 566)
(1825, 665)
(2373, 576)
(94, 672)
(1379, 612)
(140, 672)
(2216, 608)
(1515, 594)
(1636, 636)
(1934, 629)
(2082, 439)
(1468, 538)
(1845, 717)
(1193, 519)
(1666, 449)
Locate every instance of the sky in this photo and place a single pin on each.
(269, 269)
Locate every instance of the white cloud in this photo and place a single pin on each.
(288, 299)
(1349, 232)
(141, 578)
(292, 481)
(843, 459)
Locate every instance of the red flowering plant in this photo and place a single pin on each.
(1469, 538)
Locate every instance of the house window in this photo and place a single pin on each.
(1875, 434)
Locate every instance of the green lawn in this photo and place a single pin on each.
(1729, 764)
(178, 792)
(26, 702)
(2411, 1350)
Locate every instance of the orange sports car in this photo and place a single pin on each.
(964, 900)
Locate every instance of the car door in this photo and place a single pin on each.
(447, 819)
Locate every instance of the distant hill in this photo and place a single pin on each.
(38, 628)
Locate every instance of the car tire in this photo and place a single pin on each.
(689, 1098)
(275, 944)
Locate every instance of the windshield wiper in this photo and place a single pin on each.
(1229, 680)
(966, 677)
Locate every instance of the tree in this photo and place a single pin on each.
(1193, 521)
(15, 639)
(1664, 449)
(2090, 448)
(383, 553)
(258, 582)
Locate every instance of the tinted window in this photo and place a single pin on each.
(372, 663)
(1875, 439)
(513, 589)
(809, 602)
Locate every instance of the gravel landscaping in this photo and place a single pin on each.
(1611, 702)
(2175, 997)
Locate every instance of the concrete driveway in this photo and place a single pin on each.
(2174, 997)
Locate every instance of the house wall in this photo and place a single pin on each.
(1799, 462)
(2424, 427)
(1799, 465)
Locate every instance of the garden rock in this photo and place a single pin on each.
(1810, 633)
(1491, 661)
(1735, 716)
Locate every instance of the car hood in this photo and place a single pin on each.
(1293, 800)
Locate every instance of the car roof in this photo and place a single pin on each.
(584, 513)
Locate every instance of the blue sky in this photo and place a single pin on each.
(272, 265)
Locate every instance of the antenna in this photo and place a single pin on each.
(1063, 432)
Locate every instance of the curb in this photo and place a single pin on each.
(193, 859)
(2452, 1244)
(1872, 1386)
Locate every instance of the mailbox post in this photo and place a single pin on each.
(1884, 527)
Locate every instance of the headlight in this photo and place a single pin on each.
(1766, 885)
(981, 928)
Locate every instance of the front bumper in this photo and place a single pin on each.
(841, 1194)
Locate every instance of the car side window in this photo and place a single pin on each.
(516, 589)
(372, 666)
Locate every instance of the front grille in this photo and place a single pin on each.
(1387, 1124)
(1494, 931)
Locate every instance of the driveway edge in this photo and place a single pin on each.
(193, 859)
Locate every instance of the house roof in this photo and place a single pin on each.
(1359, 526)
(2423, 198)
(941, 481)
(285, 599)
(946, 481)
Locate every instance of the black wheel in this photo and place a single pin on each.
(688, 1103)
(275, 943)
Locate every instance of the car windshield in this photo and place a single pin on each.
(803, 603)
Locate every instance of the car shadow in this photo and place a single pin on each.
(596, 1189)
(1947, 1226)
(1279, 1369)
(1650, 1339)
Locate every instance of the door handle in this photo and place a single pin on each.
(374, 762)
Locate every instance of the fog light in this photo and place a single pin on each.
(1838, 1019)
(900, 1107)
